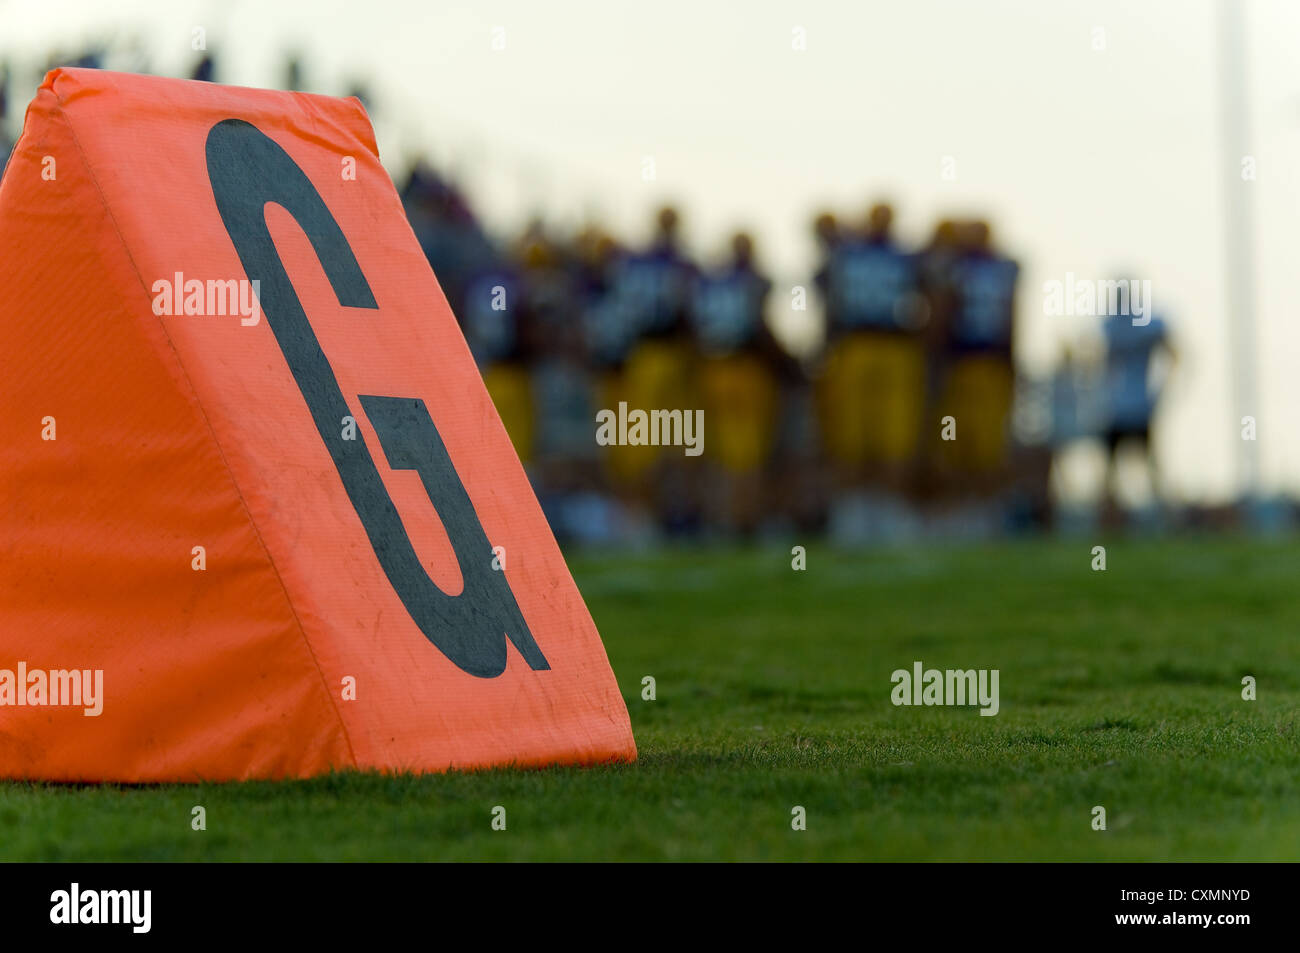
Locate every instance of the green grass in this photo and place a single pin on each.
(1118, 688)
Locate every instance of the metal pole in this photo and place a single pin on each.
(1239, 234)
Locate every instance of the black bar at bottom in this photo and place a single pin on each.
(326, 902)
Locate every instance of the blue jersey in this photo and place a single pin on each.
(563, 397)
(1129, 349)
(726, 309)
(986, 294)
(609, 327)
(1077, 405)
(652, 287)
(490, 317)
(868, 283)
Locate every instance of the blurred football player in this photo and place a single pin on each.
(609, 335)
(1132, 391)
(874, 376)
(826, 233)
(740, 363)
(980, 380)
(566, 473)
(650, 291)
(455, 244)
(938, 302)
(496, 324)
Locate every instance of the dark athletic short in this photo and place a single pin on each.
(1117, 435)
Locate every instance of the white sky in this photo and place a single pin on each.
(1085, 161)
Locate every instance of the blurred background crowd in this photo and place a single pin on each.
(900, 414)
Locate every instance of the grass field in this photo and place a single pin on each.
(1119, 688)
